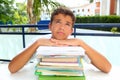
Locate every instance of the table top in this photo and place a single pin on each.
(27, 73)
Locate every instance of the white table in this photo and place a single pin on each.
(27, 73)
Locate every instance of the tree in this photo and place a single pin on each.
(11, 13)
(20, 14)
(35, 7)
(91, 1)
(6, 10)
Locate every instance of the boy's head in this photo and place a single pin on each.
(62, 21)
(65, 11)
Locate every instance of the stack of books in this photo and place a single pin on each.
(57, 63)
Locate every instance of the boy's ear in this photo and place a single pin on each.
(71, 30)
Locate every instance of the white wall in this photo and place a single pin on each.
(104, 7)
(118, 7)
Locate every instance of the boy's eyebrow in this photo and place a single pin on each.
(60, 20)
(69, 22)
(57, 19)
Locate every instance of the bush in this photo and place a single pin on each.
(99, 19)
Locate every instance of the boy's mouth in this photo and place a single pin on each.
(61, 33)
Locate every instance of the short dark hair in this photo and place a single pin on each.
(65, 11)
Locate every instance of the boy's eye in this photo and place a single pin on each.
(68, 24)
(65, 24)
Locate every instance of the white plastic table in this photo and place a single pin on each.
(27, 73)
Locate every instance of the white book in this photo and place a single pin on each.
(59, 64)
(62, 50)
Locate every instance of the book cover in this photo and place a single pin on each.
(61, 78)
(55, 77)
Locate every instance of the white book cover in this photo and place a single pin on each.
(62, 50)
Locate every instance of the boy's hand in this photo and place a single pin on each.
(45, 42)
(67, 42)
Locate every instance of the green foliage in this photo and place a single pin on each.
(100, 19)
(12, 14)
(6, 10)
(20, 14)
(37, 8)
(43, 5)
(91, 1)
(114, 30)
(9, 13)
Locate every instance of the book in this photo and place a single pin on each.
(59, 59)
(50, 67)
(60, 63)
(57, 63)
(64, 50)
(67, 69)
(55, 77)
(60, 72)
(61, 78)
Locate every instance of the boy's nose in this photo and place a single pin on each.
(62, 26)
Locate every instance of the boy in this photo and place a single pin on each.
(62, 21)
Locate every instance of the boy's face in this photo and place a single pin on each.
(61, 27)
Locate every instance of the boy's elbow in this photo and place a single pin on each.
(107, 69)
(11, 69)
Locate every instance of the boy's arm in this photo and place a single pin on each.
(96, 58)
(23, 57)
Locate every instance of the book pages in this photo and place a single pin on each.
(53, 50)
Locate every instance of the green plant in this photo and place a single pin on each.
(100, 19)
